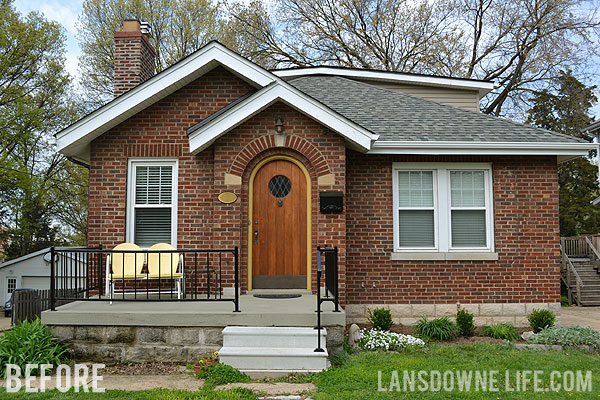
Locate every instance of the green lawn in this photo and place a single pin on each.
(357, 378)
(162, 394)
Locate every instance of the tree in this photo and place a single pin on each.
(565, 108)
(34, 103)
(179, 27)
(520, 44)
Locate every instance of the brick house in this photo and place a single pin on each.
(441, 204)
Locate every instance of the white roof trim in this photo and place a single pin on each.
(563, 150)
(74, 140)
(482, 87)
(25, 257)
(205, 135)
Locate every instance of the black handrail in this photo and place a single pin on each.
(87, 273)
(331, 284)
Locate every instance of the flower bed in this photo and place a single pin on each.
(388, 341)
(567, 336)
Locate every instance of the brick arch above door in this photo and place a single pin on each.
(293, 142)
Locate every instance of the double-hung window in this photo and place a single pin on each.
(152, 202)
(441, 208)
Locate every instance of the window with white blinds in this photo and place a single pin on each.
(152, 202)
(442, 207)
(416, 209)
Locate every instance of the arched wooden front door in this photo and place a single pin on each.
(279, 230)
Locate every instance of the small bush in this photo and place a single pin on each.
(380, 319)
(339, 358)
(440, 328)
(540, 319)
(387, 341)
(567, 336)
(220, 374)
(464, 322)
(30, 343)
(501, 331)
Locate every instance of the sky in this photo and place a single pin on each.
(66, 13)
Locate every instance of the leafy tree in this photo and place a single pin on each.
(565, 108)
(34, 103)
(520, 44)
(179, 27)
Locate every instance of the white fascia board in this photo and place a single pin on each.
(204, 136)
(483, 148)
(156, 88)
(482, 87)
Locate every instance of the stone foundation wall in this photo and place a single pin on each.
(143, 344)
(485, 313)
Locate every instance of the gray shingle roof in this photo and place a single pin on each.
(397, 116)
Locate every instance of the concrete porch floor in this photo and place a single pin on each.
(298, 311)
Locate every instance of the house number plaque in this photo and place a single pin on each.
(227, 197)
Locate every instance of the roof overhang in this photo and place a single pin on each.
(204, 135)
(74, 141)
(482, 87)
(563, 151)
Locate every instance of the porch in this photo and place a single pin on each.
(114, 316)
(299, 311)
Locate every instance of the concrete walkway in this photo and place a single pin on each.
(4, 322)
(584, 316)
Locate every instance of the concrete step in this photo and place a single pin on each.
(285, 359)
(273, 351)
(250, 336)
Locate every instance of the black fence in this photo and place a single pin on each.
(96, 274)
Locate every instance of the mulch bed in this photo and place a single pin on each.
(149, 368)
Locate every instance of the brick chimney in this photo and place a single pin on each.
(134, 56)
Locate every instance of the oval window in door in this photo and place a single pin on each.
(280, 186)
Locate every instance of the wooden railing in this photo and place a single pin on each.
(568, 273)
(576, 247)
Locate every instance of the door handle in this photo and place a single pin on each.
(256, 236)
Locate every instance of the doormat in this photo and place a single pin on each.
(277, 296)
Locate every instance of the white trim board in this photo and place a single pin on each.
(74, 140)
(564, 151)
(205, 135)
(482, 87)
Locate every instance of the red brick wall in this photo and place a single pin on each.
(526, 238)
(134, 61)
(526, 201)
(160, 131)
(203, 222)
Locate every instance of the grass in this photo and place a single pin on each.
(358, 377)
(157, 394)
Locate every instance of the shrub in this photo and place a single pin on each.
(339, 358)
(220, 374)
(464, 322)
(440, 328)
(540, 319)
(567, 336)
(380, 319)
(387, 341)
(501, 331)
(30, 343)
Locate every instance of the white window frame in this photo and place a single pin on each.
(8, 295)
(442, 204)
(132, 164)
(397, 208)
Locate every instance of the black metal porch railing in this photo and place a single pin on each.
(95, 274)
(328, 258)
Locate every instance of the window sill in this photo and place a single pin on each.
(444, 256)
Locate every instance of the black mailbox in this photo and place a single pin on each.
(332, 202)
